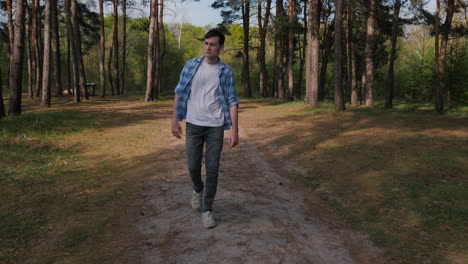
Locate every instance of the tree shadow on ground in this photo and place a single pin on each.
(382, 168)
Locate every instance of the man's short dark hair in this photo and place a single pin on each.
(216, 33)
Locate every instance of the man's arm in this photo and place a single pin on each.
(175, 126)
(233, 139)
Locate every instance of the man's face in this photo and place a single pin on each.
(212, 47)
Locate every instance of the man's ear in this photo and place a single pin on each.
(222, 48)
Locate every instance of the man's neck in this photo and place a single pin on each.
(211, 60)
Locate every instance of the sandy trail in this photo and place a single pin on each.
(262, 216)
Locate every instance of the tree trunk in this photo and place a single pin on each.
(74, 44)
(11, 34)
(79, 55)
(102, 50)
(302, 54)
(69, 48)
(312, 64)
(109, 70)
(350, 55)
(45, 102)
(362, 92)
(2, 106)
(56, 49)
(262, 26)
(150, 57)
(30, 53)
(156, 74)
(162, 44)
(339, 98)
(391, 59)
(441, 52)
(279, 50)
(37, 46)
(439, 95)
(124, 45)
(33, 43)
(245, 69)
(329, 40)
(115, 44)
(290, 50)
(77, 33)
(369, 53)
(16, 61)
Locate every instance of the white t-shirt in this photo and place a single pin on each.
(203, 107)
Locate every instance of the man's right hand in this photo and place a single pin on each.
(176, 129)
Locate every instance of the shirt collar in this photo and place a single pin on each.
(221, 63)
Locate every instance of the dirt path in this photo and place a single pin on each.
(262, 215)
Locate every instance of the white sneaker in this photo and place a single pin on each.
(196, 200)
(208, 219)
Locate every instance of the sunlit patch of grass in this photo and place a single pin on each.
(31, 173)
(43, 181)
(399, 183)
(47, 123)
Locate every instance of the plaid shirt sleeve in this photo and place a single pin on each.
(231, 89)
(183, 91)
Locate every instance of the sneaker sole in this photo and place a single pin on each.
(209, 227)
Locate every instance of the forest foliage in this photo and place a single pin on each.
(415, 77)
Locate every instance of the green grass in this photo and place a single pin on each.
(400, 189)
(46, 124)
(43, 183)
(410, 187)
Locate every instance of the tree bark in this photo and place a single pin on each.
(56, 49)
(338, 67)
(290, 50)
(36, 14)
(11, 34)
(69, 48)
(442, 52)
(115, 44)
(76, 32)
(74, 46)
(16, 61)
(156, 54)
(350, 55)
(162, 44)
(2, 106)
(30, 53)
(369, 53)
(10, 23)
(102, 50)
(245, 54)
(302, 54)
(362, 92)
(150, 57)
(109, 70)
(329, 40)
(391, 59)
(312, 61)
(124, 46)
(262, 26)
(33, 43)
(279, 51)
(439, 96)
(45, 102)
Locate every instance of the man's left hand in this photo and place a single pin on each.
(233, 140)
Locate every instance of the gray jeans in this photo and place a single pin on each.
(196, 137)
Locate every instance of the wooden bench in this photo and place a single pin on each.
(91, 88)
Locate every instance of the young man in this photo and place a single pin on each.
(206, 98)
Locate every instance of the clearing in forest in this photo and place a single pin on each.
(104, 181)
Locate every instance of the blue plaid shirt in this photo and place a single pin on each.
(227, 89)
